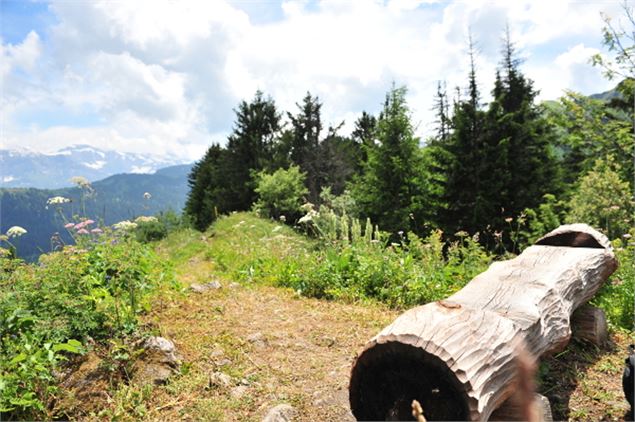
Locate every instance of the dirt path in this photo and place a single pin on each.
(276, 347)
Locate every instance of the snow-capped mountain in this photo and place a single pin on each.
(24, 168)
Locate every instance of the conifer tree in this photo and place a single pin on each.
(518, 138)
(249, 149)
(207, 194)
(391, 190)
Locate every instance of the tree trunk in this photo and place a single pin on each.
(457, 356)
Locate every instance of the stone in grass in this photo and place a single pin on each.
(158, 361)
(258, 340)
(281, 413)
(201, 288)
(219, 380)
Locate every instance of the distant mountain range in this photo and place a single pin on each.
(116, 198)
(27, 169)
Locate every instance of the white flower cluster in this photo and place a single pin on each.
(145, 219)
(15, 231)
(124, 225)
(308, 217)
(57, 200)
(147, 195)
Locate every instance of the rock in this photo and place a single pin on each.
(157, 363)
(258, 340)
(219, 380)
(238, 392)
(202, 288)
(281, 413)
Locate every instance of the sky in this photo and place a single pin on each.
(163, 77)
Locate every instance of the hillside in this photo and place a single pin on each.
(116, 198)
(249, 346)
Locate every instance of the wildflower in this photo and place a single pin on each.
(147, 195)
(508, 220)
(69, 225)
(4, 237)
(124, 225)
(82, 231)
(57, 200)
(309, 217)
(400, 233)
(97, 230)
(283, 218)
(89, 222)
(81, 181)
(145, 219)
(275, 229)
(4, 253)
(461, 233)
(307, 207)
(626, 236)
(16, 231)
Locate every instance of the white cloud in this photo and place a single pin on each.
(164, 76)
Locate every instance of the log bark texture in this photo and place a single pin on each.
(457, 356)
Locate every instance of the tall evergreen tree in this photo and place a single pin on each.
(466, 197)
(519, 137)
(306, 129)
(249, 149)
(391, 190)
(207, 194)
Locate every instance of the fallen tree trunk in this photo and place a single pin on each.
(457, 356)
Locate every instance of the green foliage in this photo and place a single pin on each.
(281, 193)
(392, 190)
(250, 149)
(206, 195)
(546, 217)
(603, 200)
(588, 129)
(351, 260)
(617, 296)
(93, 290)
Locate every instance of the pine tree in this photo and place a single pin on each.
(249, 149)
(391, 191)
(306, 128)
(466, 197)
(206, 197)
(519, 139)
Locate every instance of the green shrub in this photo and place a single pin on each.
(617, 296)
(95, 289)
(281, 193)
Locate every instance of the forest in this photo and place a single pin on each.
(507, 171)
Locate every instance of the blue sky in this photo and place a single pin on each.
(162, 77)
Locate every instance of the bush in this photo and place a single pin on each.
(95, 289)
(281, 193)
(617, 296)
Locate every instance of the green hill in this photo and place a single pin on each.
(116, 198)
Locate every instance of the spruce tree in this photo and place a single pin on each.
(519, 139)
(207, 194)
(249, 149)
(306, 129)
(465, 194)
(391, 190)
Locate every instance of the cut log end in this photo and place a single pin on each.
(589, 323)
(388, 377)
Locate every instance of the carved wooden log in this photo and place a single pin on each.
(457, 356)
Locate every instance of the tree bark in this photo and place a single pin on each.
(457, 356)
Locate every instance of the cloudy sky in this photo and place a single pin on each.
(162, 77)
